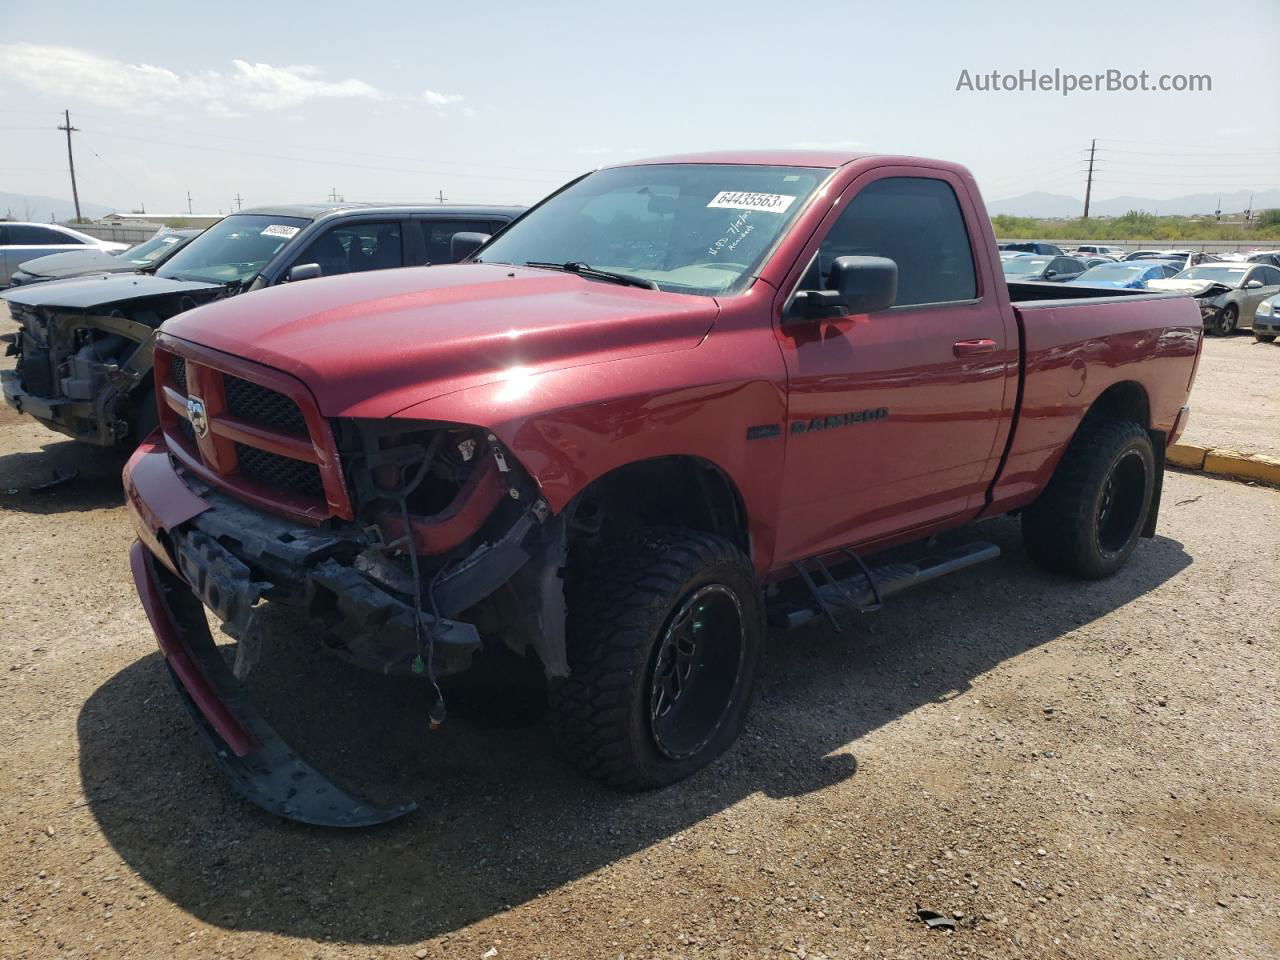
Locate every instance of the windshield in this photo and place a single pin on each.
(233, 250)
(149, 251)
(1231, 276)
(1115, 271)
(695, 228)
(1024, 265)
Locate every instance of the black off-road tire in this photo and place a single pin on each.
(1070, 528)
(621, 612)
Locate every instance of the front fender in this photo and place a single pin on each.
(570, 427)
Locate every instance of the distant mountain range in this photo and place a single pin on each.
(1059, 206)
(25, 206)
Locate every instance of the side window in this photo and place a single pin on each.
(1270, 276)
(439, 233)
(23, 234)
(916, 223)
(4, 235)
(354, 247)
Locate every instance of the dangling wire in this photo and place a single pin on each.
(425, 659)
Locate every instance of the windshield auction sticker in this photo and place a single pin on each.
(280, 230)
(737, 200)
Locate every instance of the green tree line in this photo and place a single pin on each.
(1138, 225)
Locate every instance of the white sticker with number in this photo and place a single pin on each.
(280, 230)
(738, 200)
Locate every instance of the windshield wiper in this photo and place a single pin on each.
(586, 270)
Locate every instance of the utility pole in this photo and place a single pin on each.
(1088, 186)
(1248, 214)
(440, 195)
(188, 201)
(1217, 211)
(333, 195)
(238, 199)
(71, 161)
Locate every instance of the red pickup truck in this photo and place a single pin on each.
(678, 400)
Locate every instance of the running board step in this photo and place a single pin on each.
(863, 590)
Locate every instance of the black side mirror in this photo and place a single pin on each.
(856, 285)
(304, 271)
(463, 245)
(1050, 274)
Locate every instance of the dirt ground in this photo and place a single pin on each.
(1235, 404)
(1066, 769)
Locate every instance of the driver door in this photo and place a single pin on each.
(893, 416)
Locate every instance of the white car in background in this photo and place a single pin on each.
(20, 242)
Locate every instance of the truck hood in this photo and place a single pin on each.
(372, 344)
(1194, 288)
(76, 263)
(101, 290)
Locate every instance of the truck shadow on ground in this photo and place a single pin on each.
(502, 818)
(79, 477)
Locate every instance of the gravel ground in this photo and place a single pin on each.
(1066, 769)
(1235, 403)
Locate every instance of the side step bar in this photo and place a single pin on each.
(863, 590)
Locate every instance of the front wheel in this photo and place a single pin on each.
(1224, 323)
(665, 634)
(1087, 521)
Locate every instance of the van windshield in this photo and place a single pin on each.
(233, 250)
(699, 228)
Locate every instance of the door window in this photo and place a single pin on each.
(26, 234)
(914, 221)
(438, 235)
(355, 247)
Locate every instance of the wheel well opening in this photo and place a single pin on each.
(680, 491)
(1124, 401)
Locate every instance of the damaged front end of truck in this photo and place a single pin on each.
(408, 546)
(83, 352)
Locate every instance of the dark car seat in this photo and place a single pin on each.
(329, 252)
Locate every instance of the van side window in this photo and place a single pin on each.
(915, 222)
(354, 247)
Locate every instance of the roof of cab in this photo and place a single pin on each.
(786, 158)
(314, 211)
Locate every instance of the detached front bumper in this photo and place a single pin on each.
(179, 566)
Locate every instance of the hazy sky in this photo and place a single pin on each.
(501, 102)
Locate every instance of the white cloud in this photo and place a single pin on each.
(146, 88)
(441, 99)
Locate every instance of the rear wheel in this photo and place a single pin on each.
(665, 634)
(1087, 521)
(1224, 323)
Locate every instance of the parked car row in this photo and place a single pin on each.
(1230, 291)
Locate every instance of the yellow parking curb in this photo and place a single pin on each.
(1255, 466)
(1186, 455)
(1225, 463)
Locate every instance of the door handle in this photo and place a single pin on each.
(971, 348)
